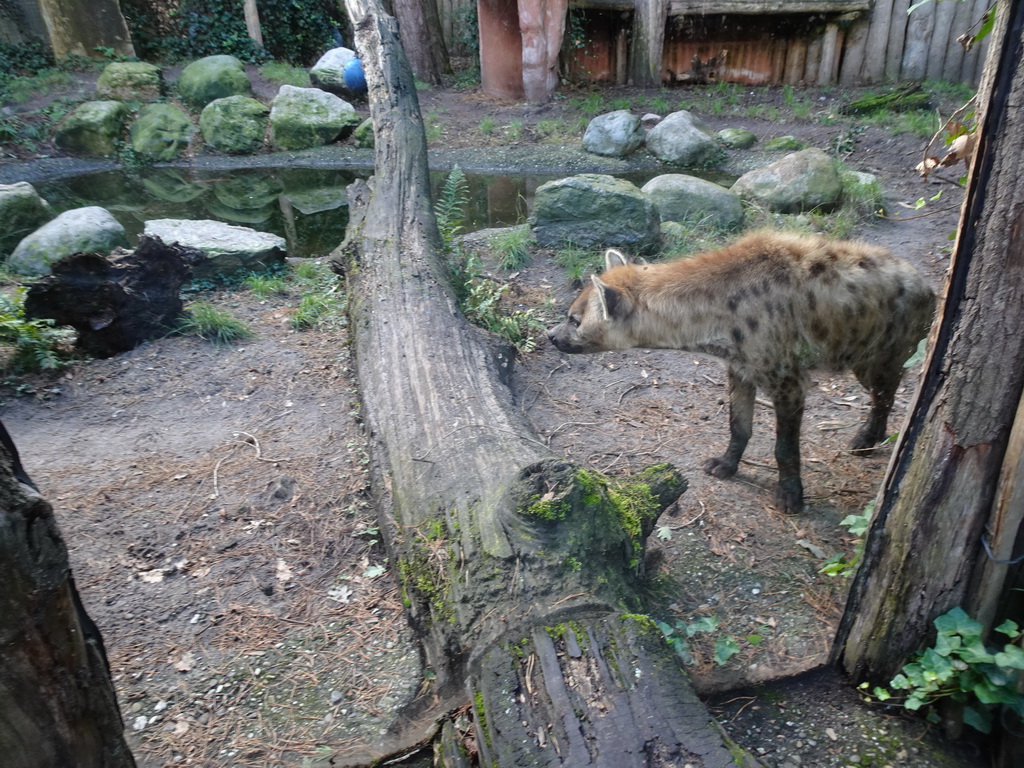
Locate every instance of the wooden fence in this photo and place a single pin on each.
(852, 42)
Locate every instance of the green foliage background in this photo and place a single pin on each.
(298, 31)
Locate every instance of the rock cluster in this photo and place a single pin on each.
(215, 105)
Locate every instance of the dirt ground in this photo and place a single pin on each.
(215, 506)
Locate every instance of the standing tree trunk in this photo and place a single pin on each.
(517, 567)
(420, 28)
(925, 552)
(59, 707)
(542, 23)
(648, 42)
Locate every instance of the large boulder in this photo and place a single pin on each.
(93, 129)
(615, 134)
(235, 125)
(681, 139)
(329, 72)
(161, 132)
(302, 118)
(593, 210)
(227, 249)
(80, 230)
(683, 198)
(130, 81)
(213, 77)
(363, 136)
(22, 211)
(802, 181)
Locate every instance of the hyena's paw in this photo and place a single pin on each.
(720, 467)
(789, 496)
(865, 441)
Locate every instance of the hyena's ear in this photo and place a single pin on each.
(613, 258)
(609, 298)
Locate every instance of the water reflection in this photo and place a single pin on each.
(306, 206)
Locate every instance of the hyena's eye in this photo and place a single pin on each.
(574, 321)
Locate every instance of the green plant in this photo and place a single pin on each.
(323, 301)
(577, 262)
(549, 128)
(479, 298)
(487, 125)
(678, 637)
(283, 73)
(482, 307)
(659, 105)
(591, 105)
(512, 247)
(841, 565)
(263, 285)
(961, 668)
(514, 132)
(293, 31)
(432, 127)
(212, 324)
(36, 345)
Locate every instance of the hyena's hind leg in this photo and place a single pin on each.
(741, 424)
(881, 381)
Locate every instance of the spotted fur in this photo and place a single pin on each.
(773, 306)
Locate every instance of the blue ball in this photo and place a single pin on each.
(355, 79)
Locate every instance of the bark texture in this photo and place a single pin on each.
(508, 556)
(925, 552)
(420, 28)
(59, 707)
(647, 42)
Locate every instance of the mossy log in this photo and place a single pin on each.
(902, 99)
(509, 557)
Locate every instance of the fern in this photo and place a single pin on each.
(450, 209)
(37, 345)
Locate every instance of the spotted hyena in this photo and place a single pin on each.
(772, 306)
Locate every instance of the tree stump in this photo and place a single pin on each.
(115, 302)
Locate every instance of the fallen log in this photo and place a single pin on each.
(520, 571)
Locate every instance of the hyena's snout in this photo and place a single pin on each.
(560, 336)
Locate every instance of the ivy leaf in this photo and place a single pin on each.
(1010, 629)
(725, 649)
(706, 624)
(956, 621)
(980, 720)
(1012, 657)
(664, 533)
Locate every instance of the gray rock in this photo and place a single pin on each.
(161, 132)
(228, 248)
(650, 120)
(803, 181)
(682, 139)
(130, 81)
(213, 77)
(88, 230)
(679, 197)
(329, 72)
(593, 210)
(93, 129)
(615, 134)
(235, 125)
(22, 211)
(302, 118)
(736, 138)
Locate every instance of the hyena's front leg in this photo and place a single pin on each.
(882, 386)
(741, 423)
(788, 402)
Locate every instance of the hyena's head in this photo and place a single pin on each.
(600, 317)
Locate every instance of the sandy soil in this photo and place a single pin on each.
(214, 502)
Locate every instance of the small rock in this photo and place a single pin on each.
(160, 706)
(336, 697)
(140, 722)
